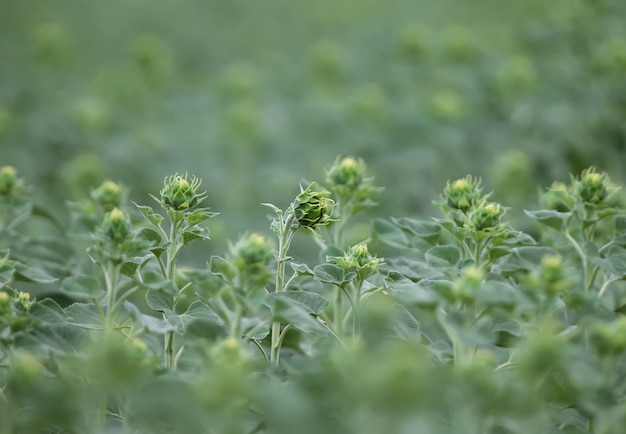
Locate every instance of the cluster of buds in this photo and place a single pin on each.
(463, 193)
(10, 303)
(116, 225)
(591, 188)
(179, 194)
(10, 184)
(313, 209)
(357, 260)
(109, 195)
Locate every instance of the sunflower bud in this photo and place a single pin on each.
(9, 181)
(348, 173)
(180, 195)
(116, 225)
(4, 303)
(558, 197)
(356, 258)
(23, 299)
(109, 195)
(486, 216)
(252, 252)
(592, 186)
(313, 208)
(463, 193)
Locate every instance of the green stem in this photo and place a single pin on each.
(286, 235)
(356, 324)
(235, 325)
(169, 350)
(170, 273)
(338, 312)
(581, 254)
(111, 275)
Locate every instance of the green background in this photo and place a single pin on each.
(256, 97)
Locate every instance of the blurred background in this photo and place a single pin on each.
(256, 96)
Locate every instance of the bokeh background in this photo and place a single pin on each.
(256, 96)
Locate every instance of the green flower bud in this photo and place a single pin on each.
(610, 337)
(23, 298)
(4, 303)
(313, 208)
(486, 216)
(109, 195)
(357, 257)
(348, 172)
(558, 197)
(116, 225)
(592, 187)
(8, 180)
(463, 193)
(180, 195)
(252, 252)
(468, 282)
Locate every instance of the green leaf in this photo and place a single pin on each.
(443, 256)
(301, 269)
(159, 300)
(199, 215)
(48, 311)
(195, 233)
(314, 303)
(153, 237)
(522, 258)
(330, 273)
(83, 286)
(405, 325)
(498, 294)
(428, 230)
(288, 311)
(389, 233)
(221, 267)
(154, 280)
(426, 294)
(616, 264)
(554, 219)
(84, 315)
(24, 273)
(414, 270)
(152, 217)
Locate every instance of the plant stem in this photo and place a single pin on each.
(581, 254)
(111, 275)
(286, 235)
(338, 312)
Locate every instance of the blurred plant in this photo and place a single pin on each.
(352, 191)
